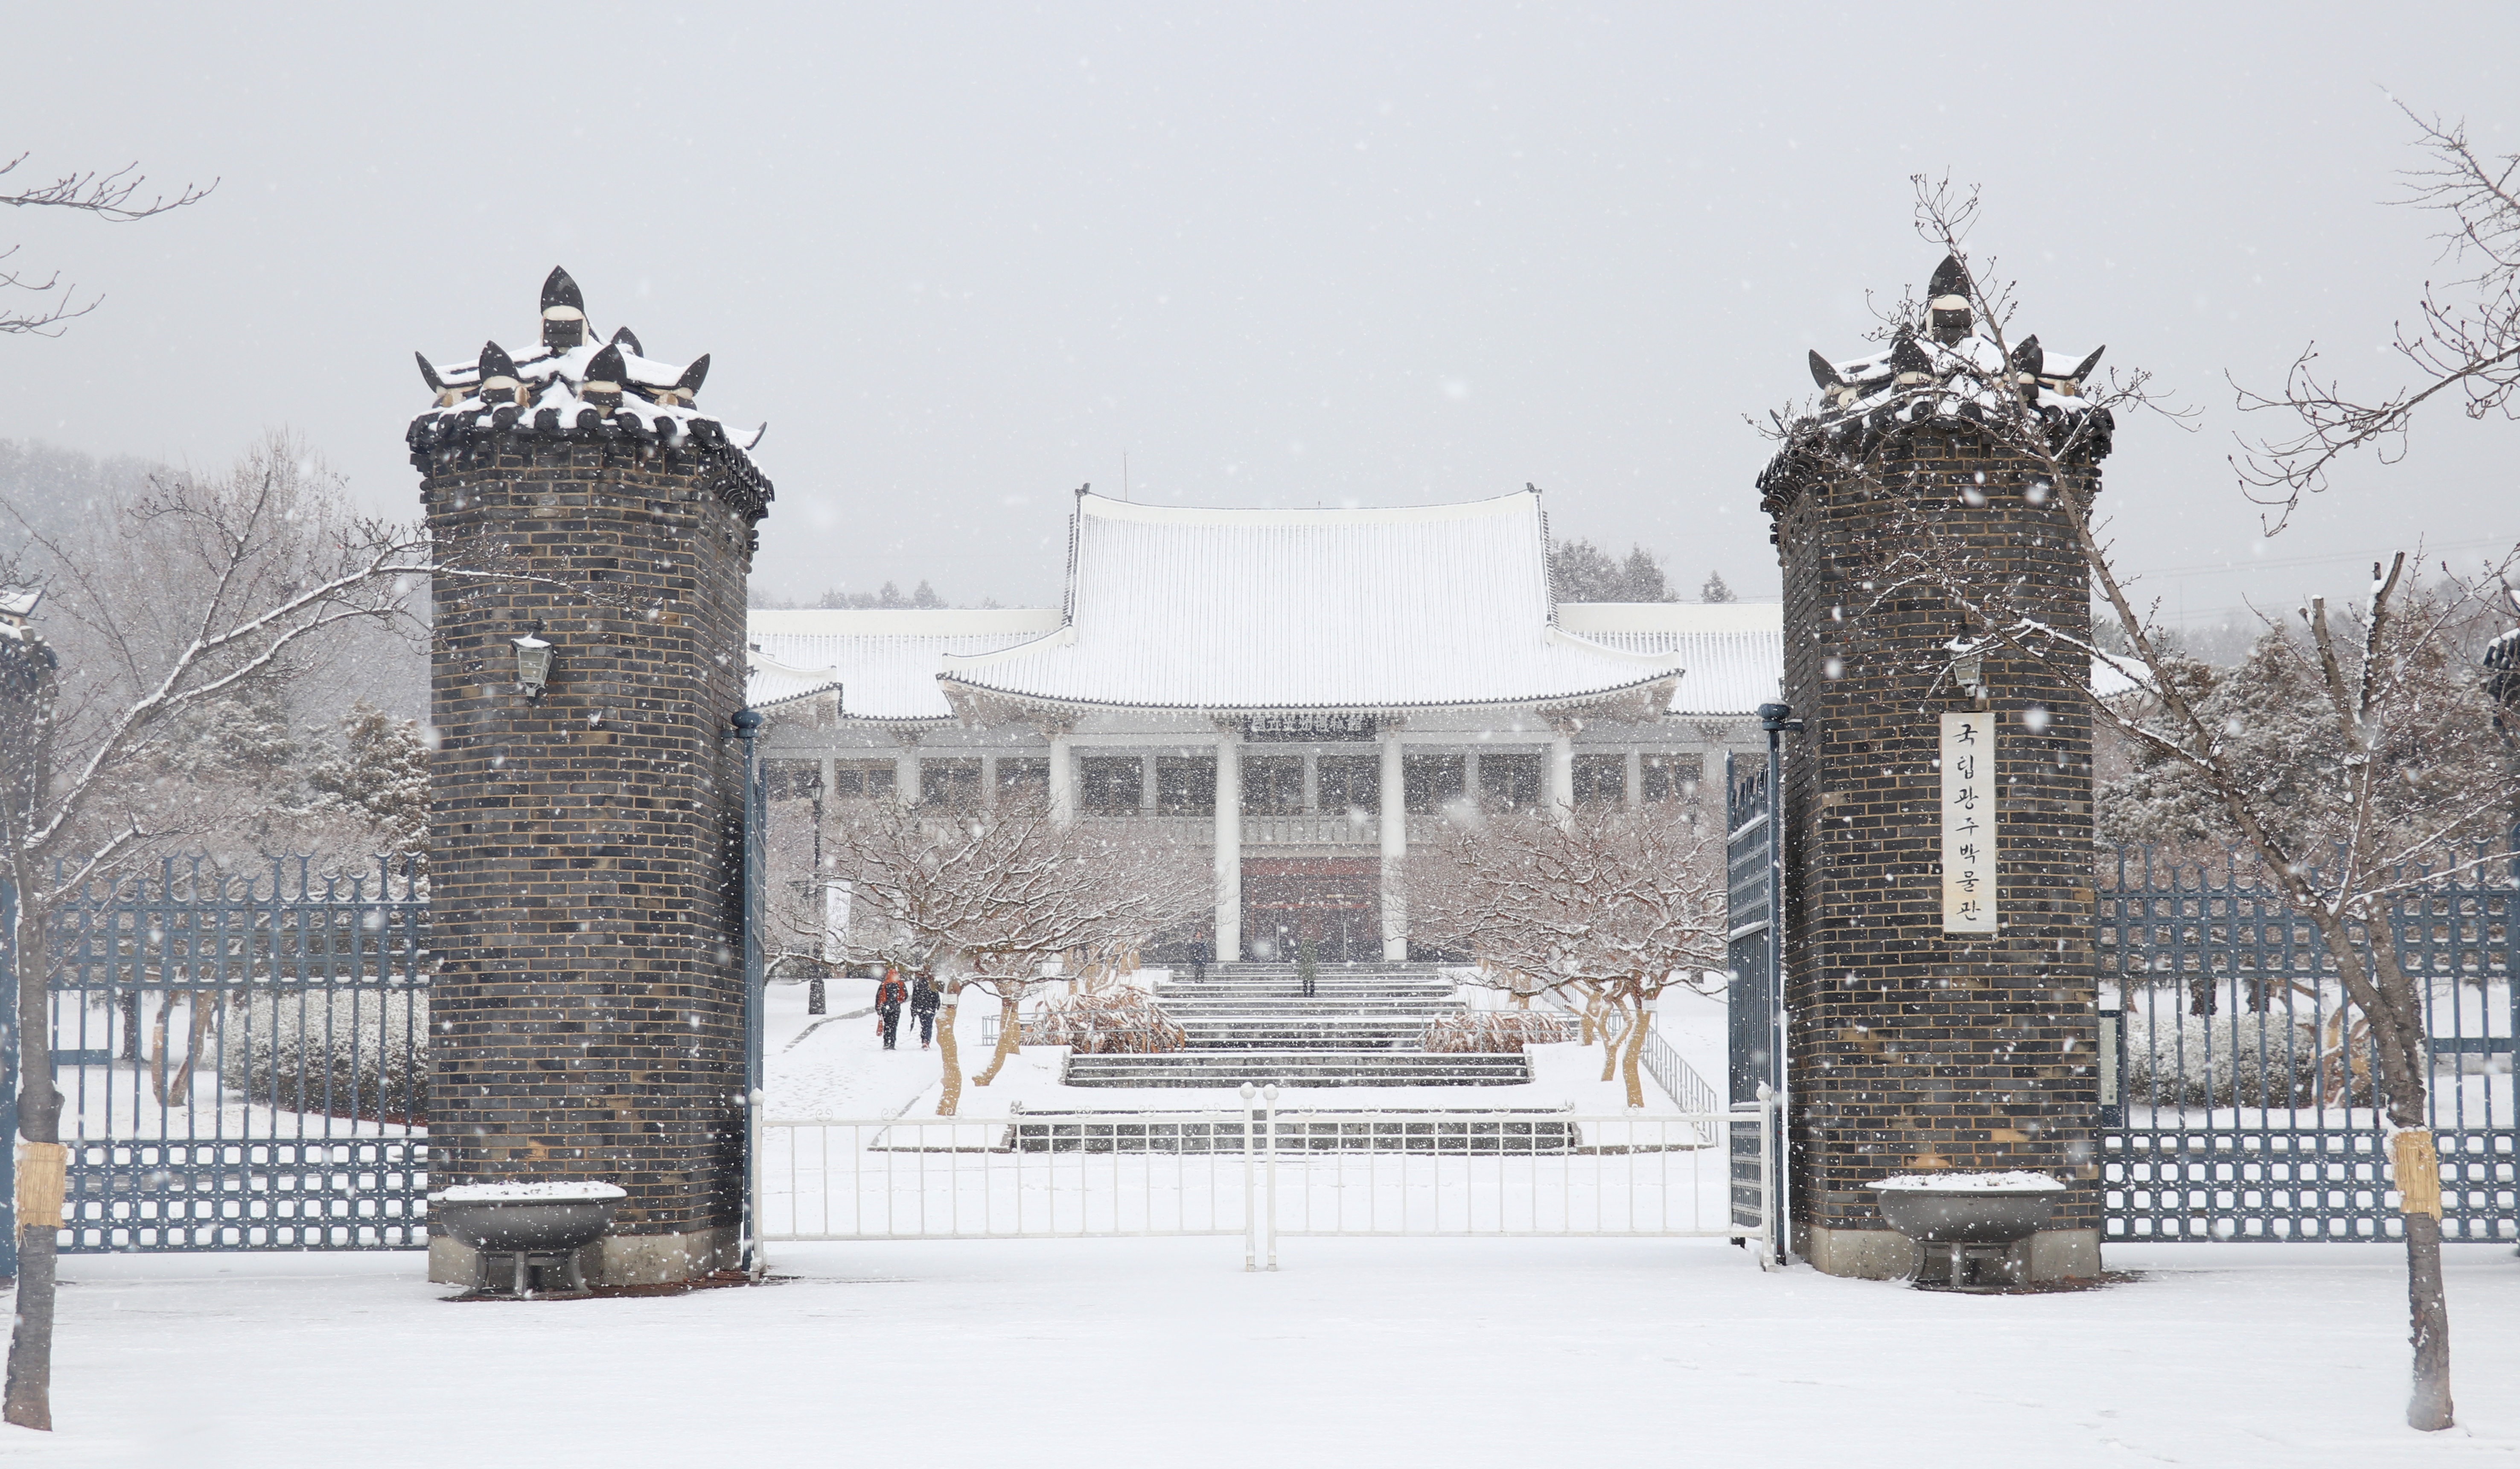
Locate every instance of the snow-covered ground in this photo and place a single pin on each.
(1383, 1352)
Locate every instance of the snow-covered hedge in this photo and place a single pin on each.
(2175, 1059)
(1119, 1021)
(371, 1049)
(1493, 1031)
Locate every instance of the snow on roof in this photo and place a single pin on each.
(1921, 378)
(1732, 653)
(1260, 609)
(884, 663)
(19, 602)
(578, 388)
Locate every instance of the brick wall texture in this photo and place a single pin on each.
(584, 867)
(1909, 1050)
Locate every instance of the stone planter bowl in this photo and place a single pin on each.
(534, 1223)
(1977, 1216)
(1961, 1221)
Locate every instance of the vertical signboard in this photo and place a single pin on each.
(1968, 823)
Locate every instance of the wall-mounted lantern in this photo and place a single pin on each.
(533, 663)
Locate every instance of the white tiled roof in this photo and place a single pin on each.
(1256, 609)
(885, 662)
(1731, 653)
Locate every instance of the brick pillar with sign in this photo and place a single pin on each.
(587, 657)
(1939, 898)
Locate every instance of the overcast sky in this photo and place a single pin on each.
(962, 258)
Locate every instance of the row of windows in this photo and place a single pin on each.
(1272, 785)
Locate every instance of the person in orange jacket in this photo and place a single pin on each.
(889, 997)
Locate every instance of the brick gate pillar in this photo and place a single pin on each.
(1908, 1050)
(585, 899)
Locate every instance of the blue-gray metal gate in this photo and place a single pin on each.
(2243, 1105)
(243, 1059)
(1755, 1049)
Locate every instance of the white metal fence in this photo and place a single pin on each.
(1259, 1171)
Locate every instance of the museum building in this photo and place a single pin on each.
(1303, 693)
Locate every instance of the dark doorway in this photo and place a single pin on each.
(1336, 901)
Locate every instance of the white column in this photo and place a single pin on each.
(1636, 778)
(1229, 846)
(831, 772)
(1395, 846)
(1471, 791)
(1147, 784)
(1312, 782)
(905, 771)
(988, 780)
(1062, 778)
(1561, 775)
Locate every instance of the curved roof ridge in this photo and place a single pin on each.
(1105, 507)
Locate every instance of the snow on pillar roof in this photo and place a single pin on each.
(1954, 370)
(1363, 611)
(571, 386)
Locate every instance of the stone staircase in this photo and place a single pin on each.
(1253, 1023)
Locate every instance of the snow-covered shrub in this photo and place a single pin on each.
(1490, 1031)
(2176, 1059)
(1121, 1020)
(371, 1049)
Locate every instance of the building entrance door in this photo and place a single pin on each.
(1336, 901)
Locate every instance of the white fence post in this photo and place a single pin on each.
(1268, 1211)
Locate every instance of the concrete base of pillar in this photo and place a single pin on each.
(1889, 1255)
(614, 1260)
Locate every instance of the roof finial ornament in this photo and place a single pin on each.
(1947, 300)
(499, 384)
(563, 312)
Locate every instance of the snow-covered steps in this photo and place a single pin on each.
(1268, 1032)
(1518, 1130)
(1297, 1068)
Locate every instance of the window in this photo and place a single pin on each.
(1600, 780)
(860, 780)
(1430, 782)
(1508, 783)
(1113, 784)
(1671, 777)
(1274, 786)
(1350, 782)
(1024, 780)
(949, 783)
(792, 780)
(1186, 785)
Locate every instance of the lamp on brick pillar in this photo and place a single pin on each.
(588, 1008)
(1933, 1023)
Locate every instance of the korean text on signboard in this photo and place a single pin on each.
(1968, 823)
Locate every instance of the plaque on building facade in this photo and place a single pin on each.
(1968, 823)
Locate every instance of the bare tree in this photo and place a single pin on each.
(180, 608)
(1611, 905)
(2465, 345)
(985, 897)
(2375, 837)
(112, 197)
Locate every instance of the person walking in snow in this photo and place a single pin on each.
(1308, 965)
(924, 998)
(889, 995)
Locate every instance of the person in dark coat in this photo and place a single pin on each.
(1308, 965)
(889, 995)
(924, 998)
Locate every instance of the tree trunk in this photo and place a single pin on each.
(2396, 1016)
(947, 1056)
(1009, 1036)
(29, 1398)
(1632, 1054)
(1610, 1039)
(2406, 1064)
